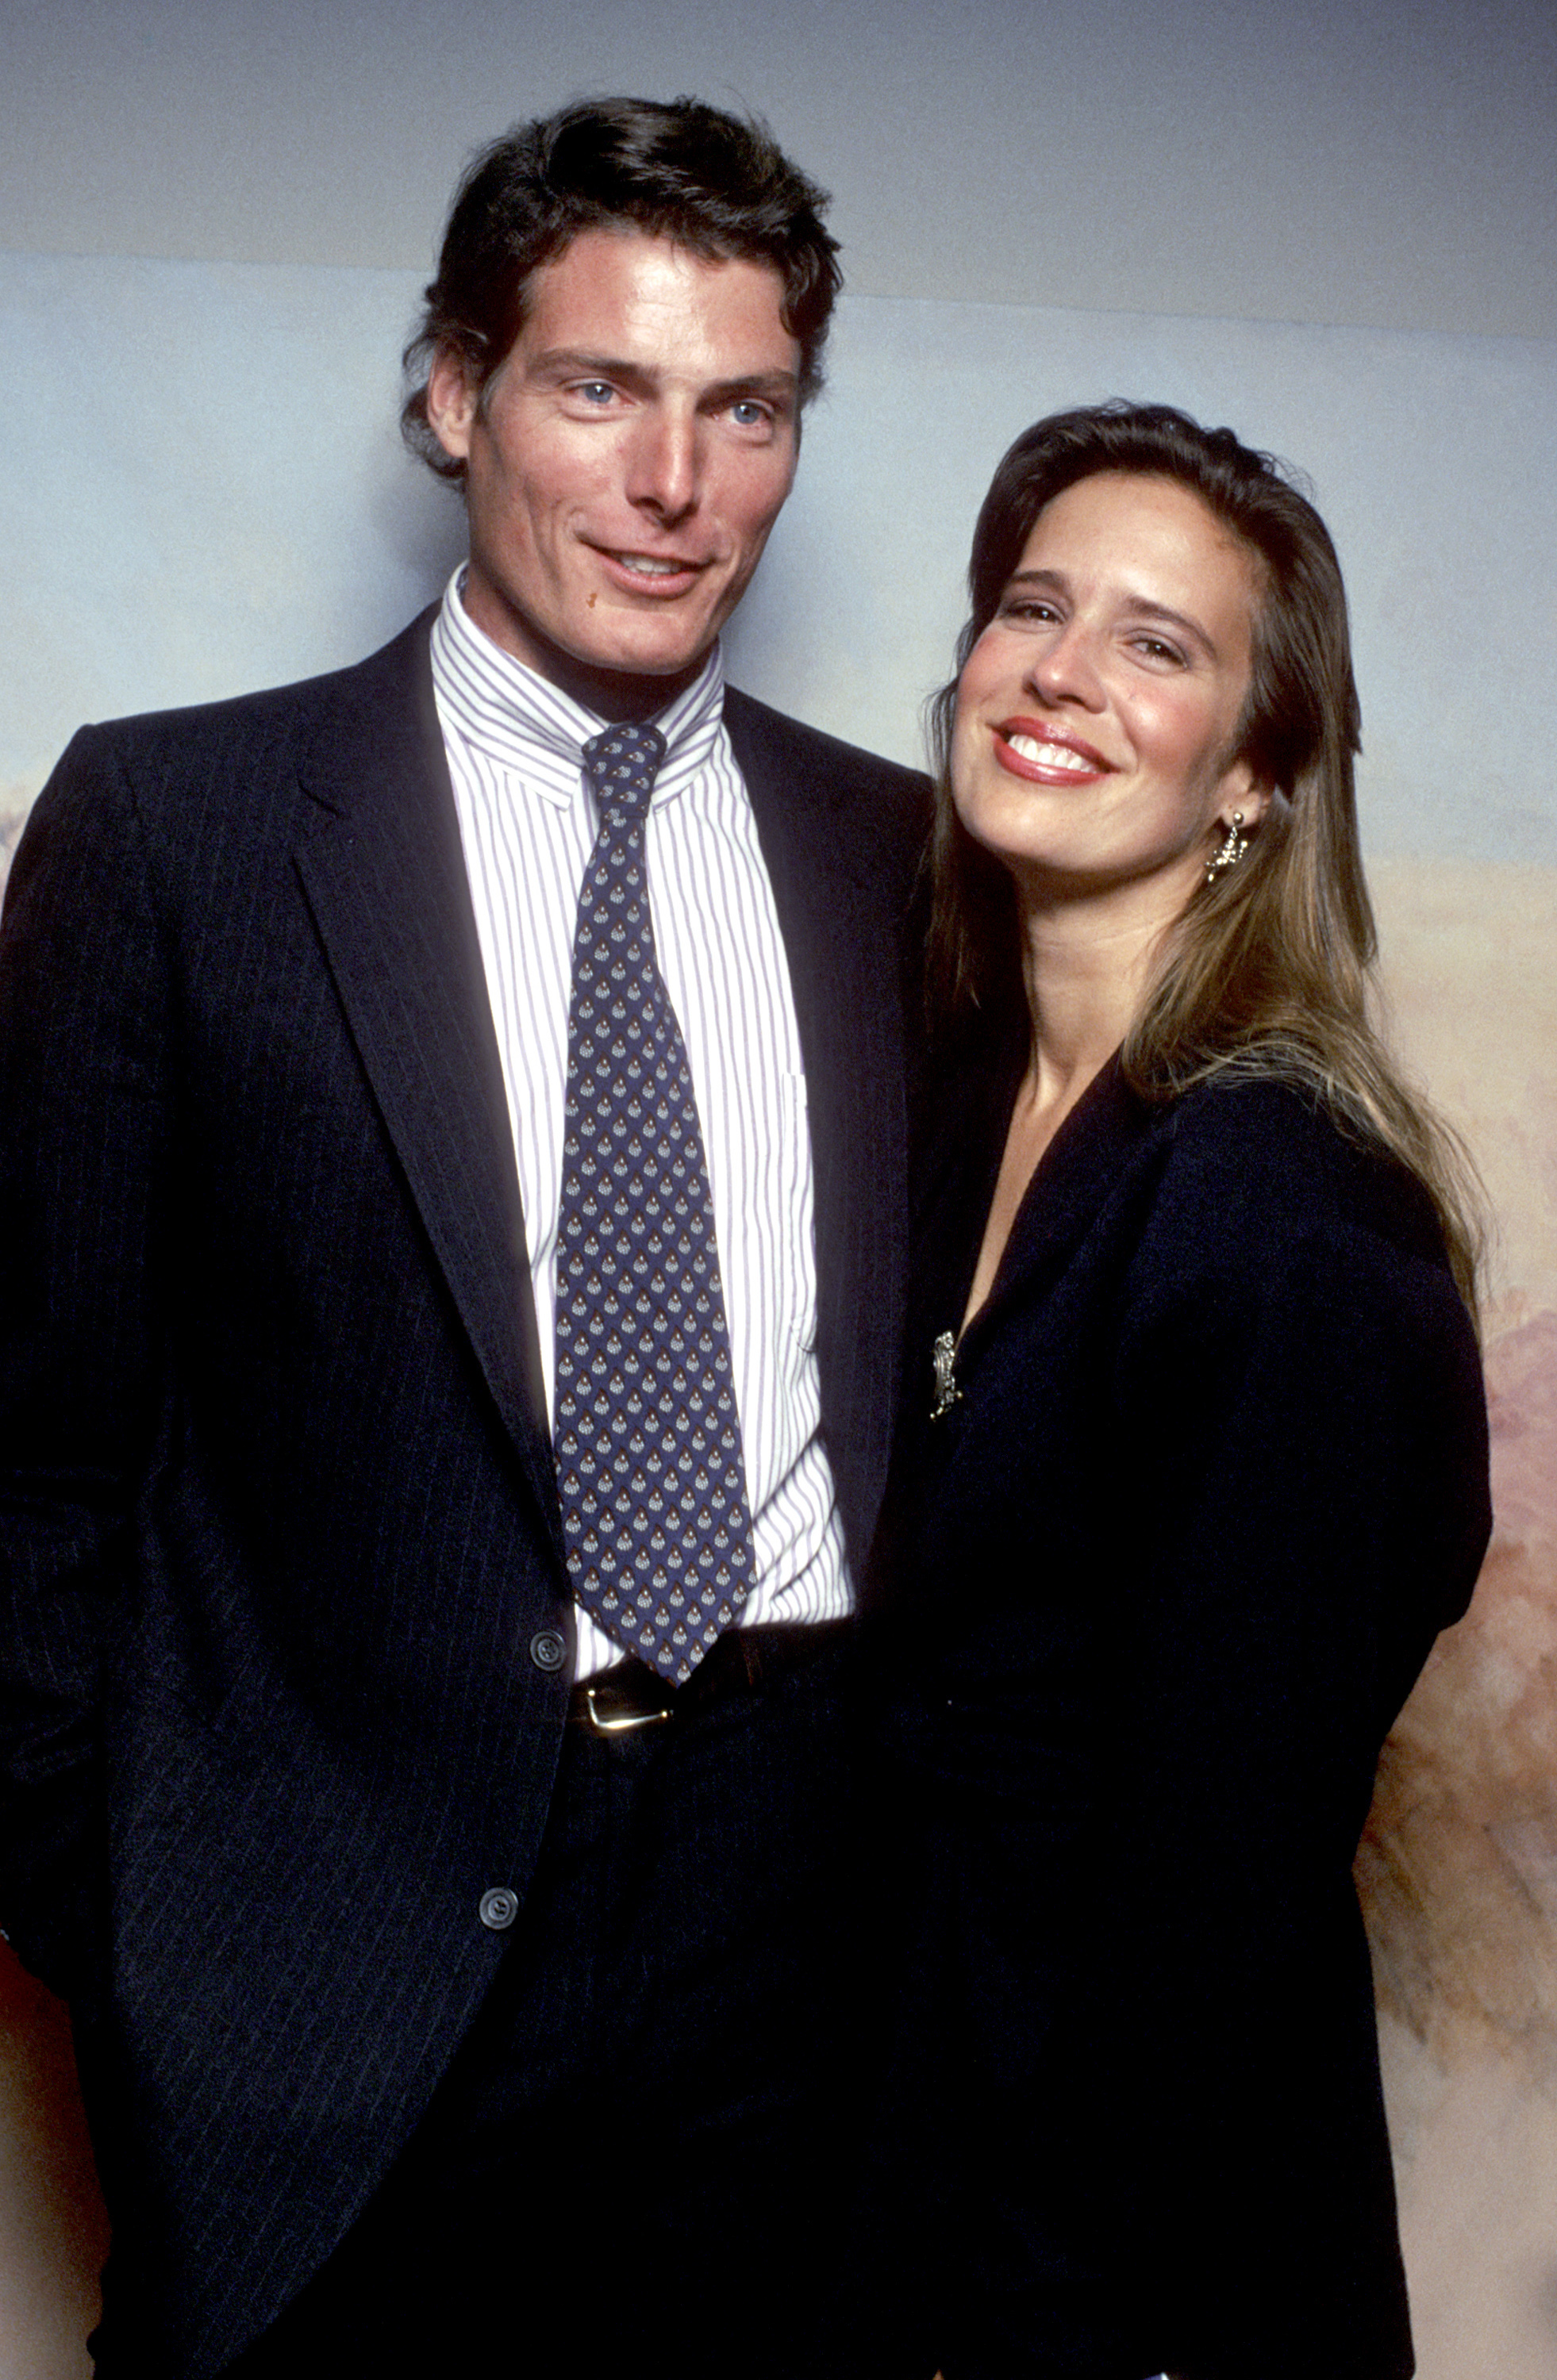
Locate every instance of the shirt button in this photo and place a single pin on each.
(548, 1648)
(498, 1908)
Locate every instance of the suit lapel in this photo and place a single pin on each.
(844, 941)
(381, 865)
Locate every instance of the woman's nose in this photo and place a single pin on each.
(1064, 669)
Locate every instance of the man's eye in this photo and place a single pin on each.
(749, 413)
(595, 392)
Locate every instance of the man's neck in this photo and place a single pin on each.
(611, 693)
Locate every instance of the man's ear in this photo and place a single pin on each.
(452, 404)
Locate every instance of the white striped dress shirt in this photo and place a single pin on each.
(515, 746)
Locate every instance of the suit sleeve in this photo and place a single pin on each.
(84, 1010)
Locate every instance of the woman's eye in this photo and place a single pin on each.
(1156, 650)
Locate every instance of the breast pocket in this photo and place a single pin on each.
(798, 1214)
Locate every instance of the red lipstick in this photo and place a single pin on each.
(1087, 767)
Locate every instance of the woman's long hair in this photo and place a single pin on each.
(1268, 972)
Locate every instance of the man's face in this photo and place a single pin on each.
(629, 459)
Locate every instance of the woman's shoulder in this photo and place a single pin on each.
(1286, 1259)
(1261, 1187)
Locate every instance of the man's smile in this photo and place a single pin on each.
(658, 575)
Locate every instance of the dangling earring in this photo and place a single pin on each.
(1231, 850)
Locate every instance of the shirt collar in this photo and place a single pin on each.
(523, 722)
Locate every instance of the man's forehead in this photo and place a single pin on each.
(620, 292)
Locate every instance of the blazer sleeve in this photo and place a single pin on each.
(1300, 1410)
(84, 1023)
(1308, 1435)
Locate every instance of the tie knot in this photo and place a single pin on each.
(620, 765)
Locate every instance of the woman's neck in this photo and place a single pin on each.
(1085, 962)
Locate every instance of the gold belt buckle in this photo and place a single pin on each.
(626, 1722)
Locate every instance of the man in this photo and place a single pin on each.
(451, 1337)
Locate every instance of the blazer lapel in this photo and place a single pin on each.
(843, 940)
(1093, 1158)
(384, 874)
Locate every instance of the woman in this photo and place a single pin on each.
(1195, 1462)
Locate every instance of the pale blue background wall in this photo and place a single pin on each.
(219, 499)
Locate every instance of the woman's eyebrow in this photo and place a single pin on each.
(1143, 607)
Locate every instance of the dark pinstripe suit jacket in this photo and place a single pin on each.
(279, 1526)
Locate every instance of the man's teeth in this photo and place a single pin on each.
(1049, 756)
(650, 566)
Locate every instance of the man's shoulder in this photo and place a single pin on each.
(214, 785)
(338, 698)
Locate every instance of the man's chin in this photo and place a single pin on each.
(626, 679)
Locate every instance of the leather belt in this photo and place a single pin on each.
(630, 1695)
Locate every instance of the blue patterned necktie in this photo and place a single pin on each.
(648, 1438)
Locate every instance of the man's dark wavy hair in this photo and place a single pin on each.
(719, 185)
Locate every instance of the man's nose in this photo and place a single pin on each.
(663, 464)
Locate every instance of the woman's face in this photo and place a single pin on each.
(1096, 716)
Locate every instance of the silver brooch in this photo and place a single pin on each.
(944, 1356)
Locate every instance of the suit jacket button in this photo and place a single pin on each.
(498, 1908)
(548, 1648)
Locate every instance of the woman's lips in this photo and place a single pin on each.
(1047, 755)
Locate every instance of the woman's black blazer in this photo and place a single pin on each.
(1153, 1591)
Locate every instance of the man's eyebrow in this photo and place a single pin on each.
(778, 388)
(593, 367)
(1140, 606)
(563, 362)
